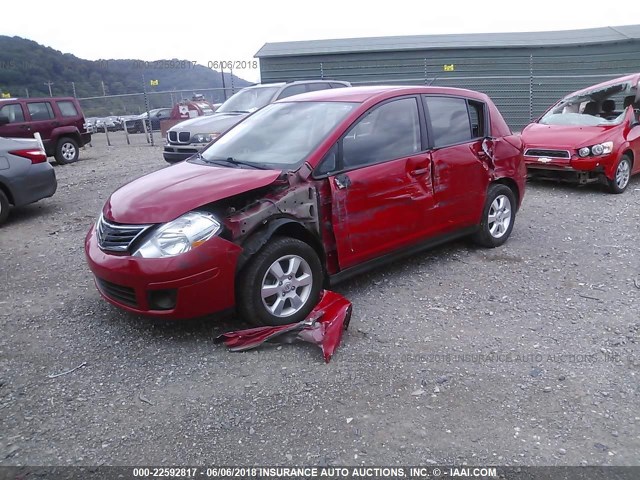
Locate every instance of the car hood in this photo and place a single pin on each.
(564, 136)
(216, 123)
(168, 193)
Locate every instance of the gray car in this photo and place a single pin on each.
(191, 136)
(25, 174)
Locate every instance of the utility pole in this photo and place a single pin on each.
(224, 88)
(48, 84)
(73, 86)
(231, 72)
(27, 91)
(104, 92)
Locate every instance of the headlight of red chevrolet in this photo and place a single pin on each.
(596, 150)
(179, 236)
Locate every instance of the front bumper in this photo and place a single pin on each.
(596, 166)
(176, 153)
(199, 282)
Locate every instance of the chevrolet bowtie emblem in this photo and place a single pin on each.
(544, 160)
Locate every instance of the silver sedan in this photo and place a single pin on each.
(25, 174)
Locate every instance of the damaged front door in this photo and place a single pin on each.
(383, 198)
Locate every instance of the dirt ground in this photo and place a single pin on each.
(528, 354)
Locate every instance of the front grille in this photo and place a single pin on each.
(184, 137)
(119, 293)
(173, 136)
(117, 238)
(541, 152)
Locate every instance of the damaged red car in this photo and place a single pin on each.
(592, 135)
(304, 193)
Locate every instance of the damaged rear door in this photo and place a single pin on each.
(382, 199)
(461, 170)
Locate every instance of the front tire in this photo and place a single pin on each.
(281, 284)
(66, 151)
(621, 177)
(498, 217)
(4, 207)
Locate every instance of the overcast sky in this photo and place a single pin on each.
(235, 30)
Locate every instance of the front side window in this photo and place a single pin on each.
(280, 136)
(67, 109)
(387, 132)
(13, 112)
(40, 111)
(450, 121)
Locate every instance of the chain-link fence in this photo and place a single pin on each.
(134, 103)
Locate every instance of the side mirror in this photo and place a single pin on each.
(4, 120)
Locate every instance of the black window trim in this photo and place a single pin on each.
(485, 113)
(341, 169)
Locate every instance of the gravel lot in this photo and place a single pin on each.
(528, 354)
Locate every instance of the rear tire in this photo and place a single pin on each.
(498, 217)
(66, 151)
(281, 284)
(621, 176)
(4, 207)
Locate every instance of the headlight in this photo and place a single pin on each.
(584, 151)
(204, 137)
(597, 150)
(179, 236)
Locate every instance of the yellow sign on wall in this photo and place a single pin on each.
(153, 83)
(449, 68)
(6, 95)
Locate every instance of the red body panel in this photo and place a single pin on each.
(168, 193)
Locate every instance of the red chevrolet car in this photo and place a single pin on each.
(305, 192)
(590, 135)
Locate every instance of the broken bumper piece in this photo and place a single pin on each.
(323, 327)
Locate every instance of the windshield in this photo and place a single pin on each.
(593, 108)
(248, 100)
(280, 136)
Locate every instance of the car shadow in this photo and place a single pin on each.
(575, 189)
(28, 213)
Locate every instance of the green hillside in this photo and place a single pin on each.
(25, 67)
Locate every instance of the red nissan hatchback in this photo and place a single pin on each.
(303, 193)
(590, 135)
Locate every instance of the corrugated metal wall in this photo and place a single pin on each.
(523, 82)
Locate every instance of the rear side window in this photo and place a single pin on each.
(337, 85)
(40, 111)
(13, 112)
(449, 120)
(67, 108)
(312, 87)
(293, 90)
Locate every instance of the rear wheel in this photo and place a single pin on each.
(281, 284)
(66, 151)
(498, 217)
(4, 207)
(621, 176)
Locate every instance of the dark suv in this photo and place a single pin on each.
(59, 121)
(192, 136)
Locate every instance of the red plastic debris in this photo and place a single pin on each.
(323, 327)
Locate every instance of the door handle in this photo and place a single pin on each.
(418, 171)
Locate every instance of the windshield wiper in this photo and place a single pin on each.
(232, 161)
